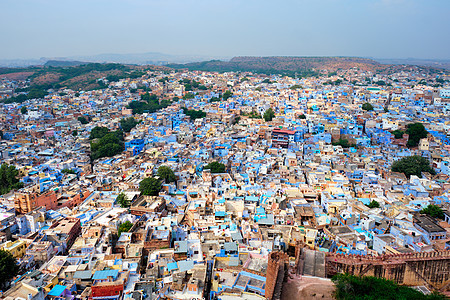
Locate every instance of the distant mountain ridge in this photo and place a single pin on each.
(265, 64)
(64, 63)
(148, 58)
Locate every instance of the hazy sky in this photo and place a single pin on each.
(368, 28)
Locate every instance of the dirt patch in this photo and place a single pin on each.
(17, 76)
(307, 288)
(47, 78)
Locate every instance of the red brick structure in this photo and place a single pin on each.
(106, 290)
(72, 200)
(429, 268)
(401, 142)
(277, 267)
(68, 229)
(282, 137)
(25, 202)
(156, 241)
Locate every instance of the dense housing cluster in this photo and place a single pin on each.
(190, 184)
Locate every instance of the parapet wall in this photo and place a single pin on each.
(429, 268)
(276, 262)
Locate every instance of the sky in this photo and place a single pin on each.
(226, 28)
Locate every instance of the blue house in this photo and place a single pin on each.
(137, 145)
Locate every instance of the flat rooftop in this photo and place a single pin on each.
(428, 224)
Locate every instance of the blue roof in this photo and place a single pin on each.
(82, 274)
(220, 214)
(181, 246)
(251, 198)
(268, 220)
(172, 266)
(230, 246)
(105, 274)
(236, 236)
(233, 261)
(57, 290)
(185, 265)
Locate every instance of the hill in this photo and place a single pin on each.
(81, 77)
(302, 66)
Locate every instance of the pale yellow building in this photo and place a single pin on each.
(17, 248)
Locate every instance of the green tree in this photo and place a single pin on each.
(98, 132)
(188, 87)
(128, 124)
(107, 145)
(416, 132)
(367, 106)
(123, 200)
(125, 227)
(413, 165)
(227, 95)
(433, 211)
(149, 104)
(398, 134)
(23, 110)
(194, 114)
(8, 267)
(83, 120)
(150, 186)
(75, 132)
(344, 143)
(68, 171)
(188, 96)
(9, 179)
(269, 114)
(374, 204)
(215, 167)
(149, 98)
(302, 117)
(166, 174)
(252, 115)
(351, 287)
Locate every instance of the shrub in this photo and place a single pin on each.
(413, 165)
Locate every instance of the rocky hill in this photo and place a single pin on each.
(303, 66)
